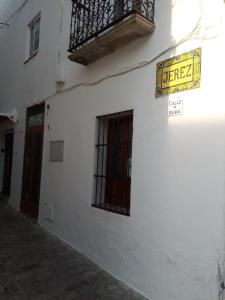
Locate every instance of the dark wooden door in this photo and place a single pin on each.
(8, 164)
(33, 161)
(118, 164)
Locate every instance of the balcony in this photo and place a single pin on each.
(99, 27)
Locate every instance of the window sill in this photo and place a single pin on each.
(114, 209)
(32, 56)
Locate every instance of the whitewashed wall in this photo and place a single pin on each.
(172, 246)
(28, 83)
(8, 7)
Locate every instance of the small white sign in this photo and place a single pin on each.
(175, 107)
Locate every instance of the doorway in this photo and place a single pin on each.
(32, 165)
(8, 153)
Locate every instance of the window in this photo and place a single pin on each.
(34, 27)
(113, 165)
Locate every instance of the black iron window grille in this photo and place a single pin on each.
(113, 162)
(92, 17)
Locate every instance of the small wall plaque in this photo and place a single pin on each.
(56, 151)
(175, 107)
(180, 73)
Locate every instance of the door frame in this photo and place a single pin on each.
(6, 179)
(26, 206)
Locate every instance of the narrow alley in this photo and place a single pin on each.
(36, 265)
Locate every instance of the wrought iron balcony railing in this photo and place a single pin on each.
(90, 18)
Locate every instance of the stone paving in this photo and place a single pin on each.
(36, 265)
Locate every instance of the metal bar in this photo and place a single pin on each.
(111, 189)
(114, 211)
(99, 176)
(103, 151)
(129, 159)
(96, 190)
(100, 145)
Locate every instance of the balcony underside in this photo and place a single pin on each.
(127, 30)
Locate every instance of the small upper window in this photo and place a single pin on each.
(34, 35)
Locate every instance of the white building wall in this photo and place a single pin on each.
(35, 80)
(172, 245)
(8, 7)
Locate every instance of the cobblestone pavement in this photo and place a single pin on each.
(36, 265)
